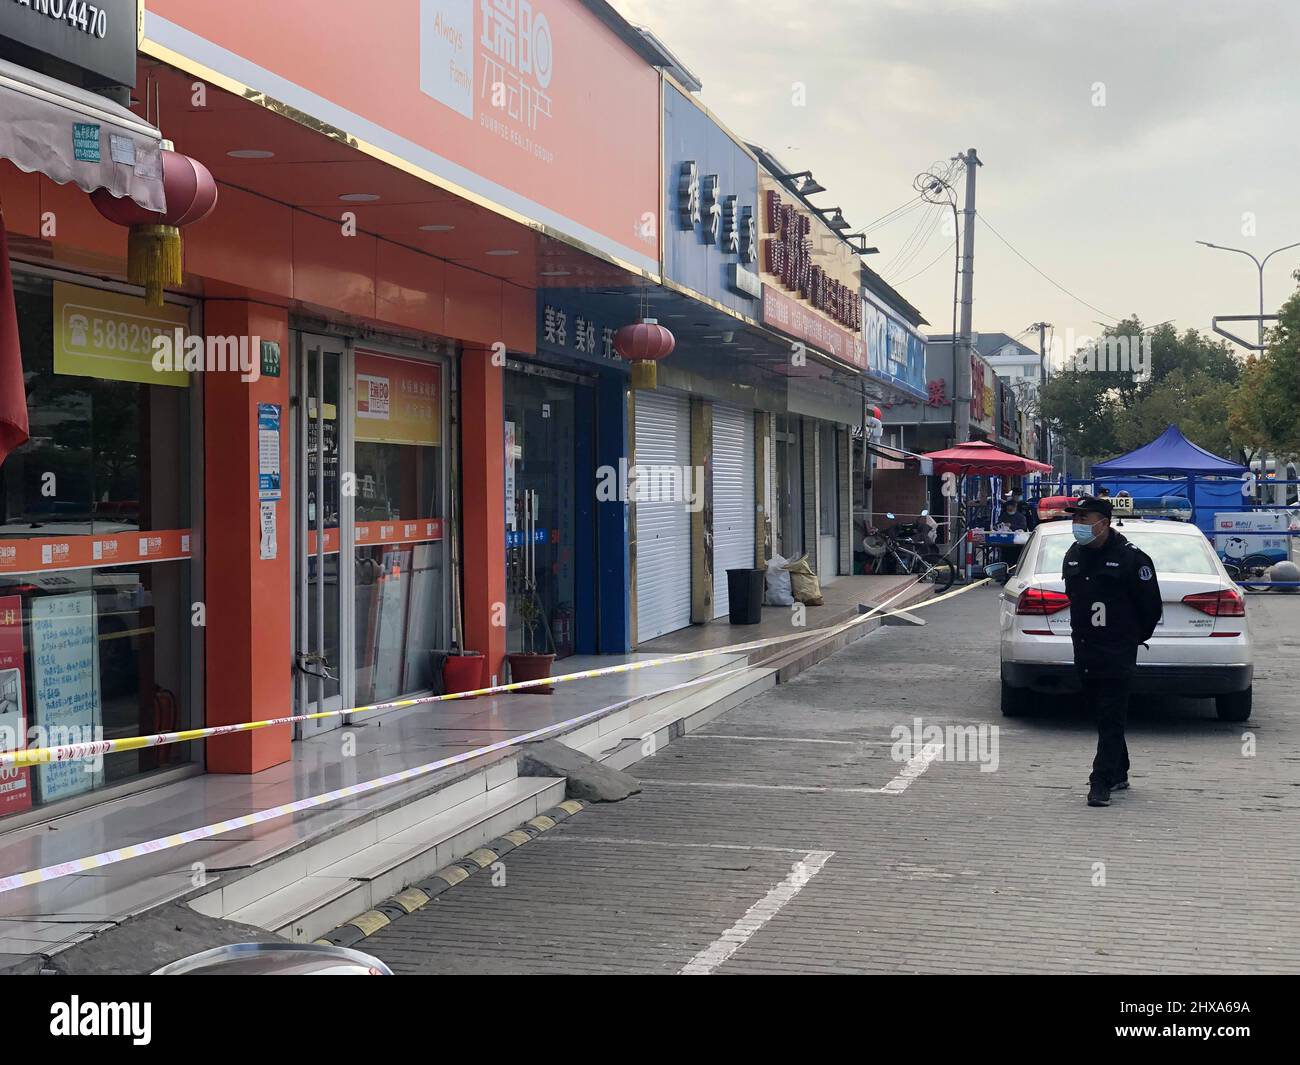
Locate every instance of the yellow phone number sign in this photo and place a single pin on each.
(110, 335)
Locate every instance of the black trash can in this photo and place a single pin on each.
(745, 596)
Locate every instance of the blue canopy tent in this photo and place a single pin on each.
(1172, 465)
(1169, 453)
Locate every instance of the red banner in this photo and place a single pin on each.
(15, 784)
(43, 553)
(794, 318)
(367, 533)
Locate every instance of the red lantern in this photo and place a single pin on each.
(875, 411)
(643, 343)
(153, 257)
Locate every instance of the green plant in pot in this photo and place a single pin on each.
(531, 664)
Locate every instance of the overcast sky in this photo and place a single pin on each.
(1200, 126)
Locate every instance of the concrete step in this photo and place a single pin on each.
(308, 908)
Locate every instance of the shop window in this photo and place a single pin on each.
(789, 483)
(828, 492)
(89, 648)
(401, 587)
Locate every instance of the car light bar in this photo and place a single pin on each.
(1225, 603)
(1041, 601)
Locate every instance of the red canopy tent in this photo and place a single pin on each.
(977, 458)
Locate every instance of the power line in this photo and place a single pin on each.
(893, 215)
(903, 261)
(1056, 284)
(915, 241)
(927, 266)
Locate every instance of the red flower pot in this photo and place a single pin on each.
(531, 667)
(463, 673)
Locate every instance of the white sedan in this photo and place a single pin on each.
(1201, 648)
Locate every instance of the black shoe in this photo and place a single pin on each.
(1121, 785)
(1099, 795)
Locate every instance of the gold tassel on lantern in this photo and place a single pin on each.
(153, 259)
(644, 375)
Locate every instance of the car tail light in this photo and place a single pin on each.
(1041, 601)
(1225, 603)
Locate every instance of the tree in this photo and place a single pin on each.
(1265, 407)
(1101, 412)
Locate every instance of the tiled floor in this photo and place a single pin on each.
(67, 909)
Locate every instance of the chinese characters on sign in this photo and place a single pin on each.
(726, 224)
(579, 335)
(936, 390)
(788, 257)
(518, 55)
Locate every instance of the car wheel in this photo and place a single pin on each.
(1015, 701)
(1233, 706)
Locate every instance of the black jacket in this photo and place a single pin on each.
(1114, 599)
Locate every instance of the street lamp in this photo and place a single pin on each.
(1260, 266)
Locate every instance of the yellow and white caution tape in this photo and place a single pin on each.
(162, 843)
(91, 748)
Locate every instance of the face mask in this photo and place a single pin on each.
(1084, 534)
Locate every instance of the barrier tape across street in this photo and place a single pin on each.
(162, 843)
(69, 752)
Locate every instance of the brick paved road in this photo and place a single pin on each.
(767, 826)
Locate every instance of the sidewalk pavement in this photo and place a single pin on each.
(46, 918)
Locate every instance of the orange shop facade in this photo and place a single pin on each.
(312, 513)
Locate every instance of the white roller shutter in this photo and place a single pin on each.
(733, 498)
(663, 526)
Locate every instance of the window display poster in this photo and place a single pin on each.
(510, 476)
(15, 783)
(65, 688)
(398, 401)
(268, 451)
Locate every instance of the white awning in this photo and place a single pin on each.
(72, 134)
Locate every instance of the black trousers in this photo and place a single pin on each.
(1106, 685)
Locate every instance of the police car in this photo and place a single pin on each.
(1201, 647)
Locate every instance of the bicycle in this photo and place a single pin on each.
(1250, 568)
(898, 546)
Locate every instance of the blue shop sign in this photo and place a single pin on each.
(566, 325)
(710, 208)
(895, 351)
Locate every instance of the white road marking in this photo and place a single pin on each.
(784, 739)
(556, 837)
(760, 787)
(916, 765)
(757, 915)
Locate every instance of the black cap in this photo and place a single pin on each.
(1091, 505)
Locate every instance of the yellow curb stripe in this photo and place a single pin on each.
(371, 922)
(541, 822)
(453, 874)
(481, 857)
(517, 838)
(571, 806)
(411, 899)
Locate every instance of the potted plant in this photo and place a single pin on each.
(531, 664)
(463, 672)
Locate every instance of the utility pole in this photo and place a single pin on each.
(1042, 328)
(963, 354)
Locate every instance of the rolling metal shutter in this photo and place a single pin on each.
(733, 498)
(663, 526)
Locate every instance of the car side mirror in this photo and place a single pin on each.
(998, 571)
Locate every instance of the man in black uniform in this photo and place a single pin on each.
(1114, 608)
